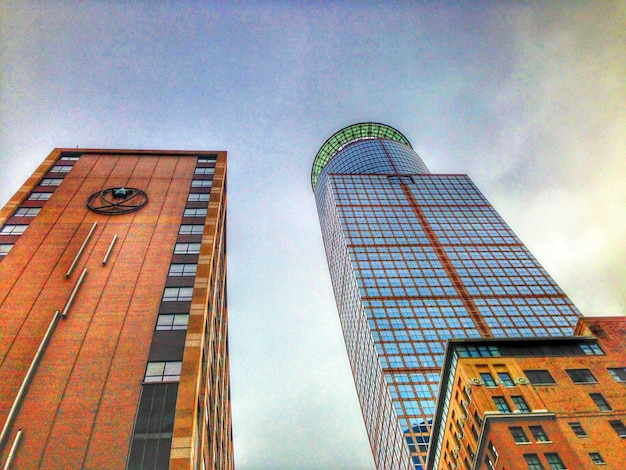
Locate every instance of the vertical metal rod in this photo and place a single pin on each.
(70, 301)
(16, 442)
(106, 257)
(80, 251)
(31, 370)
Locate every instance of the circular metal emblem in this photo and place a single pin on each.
(114, 201)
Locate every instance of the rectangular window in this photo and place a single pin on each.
(618, 373)
(600, 402)
(177, 294)
(501, 405)
(578, 429)
(506, 379)
(519, 435)
(201, 183)
(5, 248)
(591, 349)
(619, 427)
(195, 212)
(177, 270)
(555, 461)
(596, 458)
(539, 377)
(27, 212)
(61, 168)
(539, 434)
(489, 463)
(39, 196)
(172, 322)
(191, 229)
(187, 248)
(581, 376)
(51, 181)
(168, 371)
(533, 462)
(488, 379)
(208, 159)
(204, 171)
(67, 158)
(13, 229)
(520, 403)
(198, 197)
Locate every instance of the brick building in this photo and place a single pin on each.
(113, 316)
(534, 403)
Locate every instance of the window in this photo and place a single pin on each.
(201, 183)
(478, 418)
(520, 403)
(619, 427)
(191, 229)
(501, 404)
(68, 158)
(61, 168)
(506, 379)
(539, 377)
(204, 171)
(618, 373)
(172, 322)
(489, 463)
(13, 229)
(182, 270)
(533, 462)
(488, 379)
(555, 461)
(578, 429)
(194, 213)
(600, 402)
(27, 212)
(596, 457)
(198, 197)
(39, 196)
(493, 451)
(187, 248)
(177, 294)
(539, 434)
(168, 371)
(519, 435)
(581, 376)
(51, 181)
(591, 349)
(5, 248)
(209, 159)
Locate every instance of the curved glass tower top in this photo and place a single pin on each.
(348, 135)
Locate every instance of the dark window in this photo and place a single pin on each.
(478, 419)
(506, 379)
(596, 457)
(468, 466)
(520, 403)
(489, 463)
(619, 427)
(474, 432)
(501, 404)
(539, 377)
(470, 451)
(600, 402)
(154, 424)
(581, 376)
(618, 373)
(578, 429)
(539, 434)
(533, 462)
(488, 379)
(518, 434)
(555, 461)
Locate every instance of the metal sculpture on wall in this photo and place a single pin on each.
(115, 201)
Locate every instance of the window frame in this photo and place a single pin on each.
(533, 462)
(500, 403)
(169, 371)
(188, 245)
(533, 374)
(519, 400)
(185, 270)
(577, 429)
(555, 461)
(182, 294)
(13, 229)
(619, 427)
(601, 402)
(518, 432)
(581, 376)
(597, 458)
(539, 434)
(618, 373)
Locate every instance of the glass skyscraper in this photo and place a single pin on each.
(416, 259)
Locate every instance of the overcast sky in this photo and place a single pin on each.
(529, 99)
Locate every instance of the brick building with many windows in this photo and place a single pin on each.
(113, 316)
(534, 403)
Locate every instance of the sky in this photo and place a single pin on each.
(527, 98)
